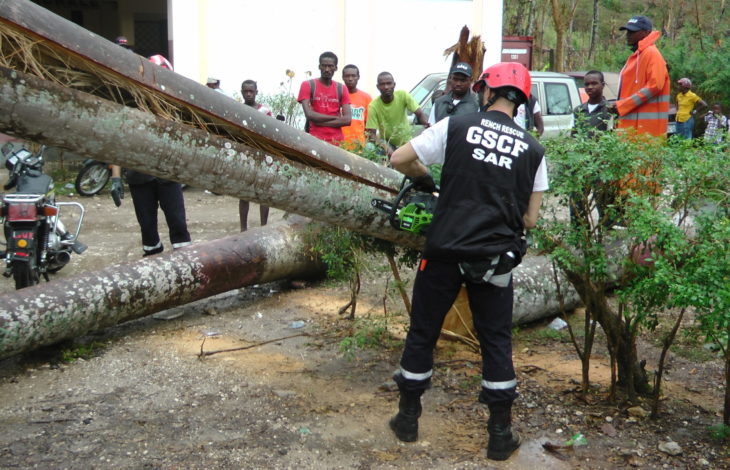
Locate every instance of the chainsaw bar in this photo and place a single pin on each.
(383, 205)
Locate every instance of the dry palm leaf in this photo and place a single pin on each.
(469, 51)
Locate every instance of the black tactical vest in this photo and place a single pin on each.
(486, 184)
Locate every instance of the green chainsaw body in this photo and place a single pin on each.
(411, 211)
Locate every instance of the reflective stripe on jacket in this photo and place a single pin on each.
(643, 102)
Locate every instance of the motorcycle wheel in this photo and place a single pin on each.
(23, 274)
(92, 178)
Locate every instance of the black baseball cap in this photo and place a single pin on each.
(462, 68)
(637, 23)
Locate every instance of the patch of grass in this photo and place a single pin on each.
(367, 333)
(81, 351)
(471, 382)
(544, 335)
(694, 353)
(720, 432)
(61, 178)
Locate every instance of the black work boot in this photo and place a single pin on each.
(502, 440)
(405, 423)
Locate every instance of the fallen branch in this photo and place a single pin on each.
(250, 346)
(457, 337)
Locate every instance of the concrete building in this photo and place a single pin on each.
(261, 39)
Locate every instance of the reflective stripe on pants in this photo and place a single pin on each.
(434, 292)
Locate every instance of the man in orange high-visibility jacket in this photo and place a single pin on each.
(643, 100)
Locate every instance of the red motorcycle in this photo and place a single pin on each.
(36, 241)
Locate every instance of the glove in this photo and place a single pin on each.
(117, 191)
(424, 184)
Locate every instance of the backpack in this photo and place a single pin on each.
(312, 87)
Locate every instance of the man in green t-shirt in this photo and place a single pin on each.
(387, 115)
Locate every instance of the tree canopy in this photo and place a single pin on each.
(584, 35)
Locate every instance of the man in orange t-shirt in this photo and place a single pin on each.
(354, 134)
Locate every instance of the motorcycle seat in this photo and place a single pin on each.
(36, 184)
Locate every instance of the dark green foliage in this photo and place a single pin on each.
(707, 68)
(673, 220)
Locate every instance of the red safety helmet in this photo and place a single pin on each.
(161, 61)
(506, 74)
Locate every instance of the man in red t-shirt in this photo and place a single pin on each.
(327, 109)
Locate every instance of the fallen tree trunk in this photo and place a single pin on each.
(32, 109)
(38, 42)
(66, 308)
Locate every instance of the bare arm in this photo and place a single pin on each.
(315, 117)
(539, 124)
(533, 210)
(325, 120)
(405, 160)
(345, 119)
(422, 118)
(702, 105)
(116, 171)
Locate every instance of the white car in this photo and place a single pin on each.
(557, 94)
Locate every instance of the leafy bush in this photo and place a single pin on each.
(647, 219)
(285, 102)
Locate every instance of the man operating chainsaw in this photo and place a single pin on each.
(493, 178)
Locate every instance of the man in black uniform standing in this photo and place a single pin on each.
(493, 178)
(150, 193)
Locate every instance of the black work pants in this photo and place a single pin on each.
(434, 292)
(166, 195)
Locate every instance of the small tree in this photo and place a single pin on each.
(630, 201)
(708, 283)
(284, 103)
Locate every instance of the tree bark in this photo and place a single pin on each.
(114, 73)
(726, 407)
(30, 108)
(594, 30)
(563, 14)
(631, 373)
(48, 313)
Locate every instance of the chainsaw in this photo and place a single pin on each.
(411, 211)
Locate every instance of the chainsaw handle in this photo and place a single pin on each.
(405, 188)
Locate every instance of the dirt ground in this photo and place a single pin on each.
(138, 396)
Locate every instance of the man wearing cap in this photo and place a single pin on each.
(686, 102)
(215, 84)
(492, 182)
(643, 98)
(460, 99)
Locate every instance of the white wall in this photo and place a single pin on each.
(260, 39)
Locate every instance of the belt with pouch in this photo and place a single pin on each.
(496, 270)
